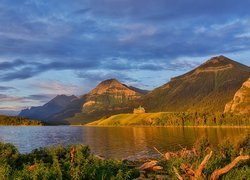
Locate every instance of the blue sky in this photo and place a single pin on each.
(67, 47)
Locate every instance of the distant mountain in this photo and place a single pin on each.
(69, 111)
(43, 112)
(206, 88)
(241, 101)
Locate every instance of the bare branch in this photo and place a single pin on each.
(217, 173)
(177, 174)
(203, 164)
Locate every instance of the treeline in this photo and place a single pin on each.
(175, 119)
(226, 161)
(200, 119)
(18, 121)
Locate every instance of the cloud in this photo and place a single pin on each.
(7, 98)
(56, 87)
(6, 88)
(99, 39)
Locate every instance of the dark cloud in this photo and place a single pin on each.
(6, 88)
(100, 76)
(115, 35)
(42, 98)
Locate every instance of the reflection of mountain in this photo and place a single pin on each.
(138, 142)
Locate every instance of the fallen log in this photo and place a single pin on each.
(218, 172)
(148, 166)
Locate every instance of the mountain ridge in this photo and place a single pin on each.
(206, 88)
(199, 89)
(53, 106)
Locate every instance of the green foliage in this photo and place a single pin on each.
(55, 163)
(15, 121)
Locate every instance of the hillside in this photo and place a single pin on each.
(174, 119)
(45, 111)
(206, 88)
(241, 101)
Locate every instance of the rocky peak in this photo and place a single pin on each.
(109, 95)
(108, 85)
(216, 63)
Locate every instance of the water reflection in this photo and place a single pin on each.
(118, 142)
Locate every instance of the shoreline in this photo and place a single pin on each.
(136, 126)
(224, 126)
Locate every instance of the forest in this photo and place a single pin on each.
(18, 121)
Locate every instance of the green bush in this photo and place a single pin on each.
(55, 163)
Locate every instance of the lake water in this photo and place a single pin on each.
(116, 142)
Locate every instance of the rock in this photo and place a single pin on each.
(241, 101)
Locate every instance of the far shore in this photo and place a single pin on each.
(167, 126)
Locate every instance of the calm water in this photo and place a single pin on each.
(116, 142)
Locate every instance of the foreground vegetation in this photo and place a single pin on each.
(76, 162)
(175, 119)
(18, 121)
(60, 163)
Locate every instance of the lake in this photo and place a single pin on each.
(116, 142)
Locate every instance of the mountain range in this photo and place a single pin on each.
(207, 88)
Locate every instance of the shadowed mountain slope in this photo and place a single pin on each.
(53, 106)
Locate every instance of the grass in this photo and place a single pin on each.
(174, 119)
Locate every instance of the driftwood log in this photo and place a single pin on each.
(148, 166)
(197, 174)
(217, 173)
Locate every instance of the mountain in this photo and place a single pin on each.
(53, 106)
(206, 88)
(241, 101)
(109, 95)
(69, 111)
(107, 98)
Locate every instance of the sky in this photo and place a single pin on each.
(68, 47)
